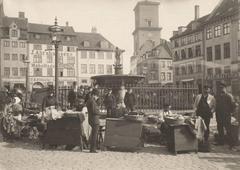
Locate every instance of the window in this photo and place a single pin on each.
(14, 57)
(83, 68)
(49, 72)
(92, 54)
(183, 70)
(163, 64)
(60, 59)
(83, 54)
(176, 56)
(6, 43)
(169, 76)
(49, 58)
(198, 51)
(70, 72)
(37, 47)
(176, 43)
(14, 44)
(183, 54)
(217, 31)
(190, 53)
(100, 69)
(22, 71)
(227, 70)
(6, 56)
(37, 71)
(177, 71)
(100, 55)
(15, 71)
(49, 47)
(86, 44)
(226, 28)
(217, 52)
(36, 36)
(169, 65)
(70, 49)
(109, 55)
(92, 69)
(209, 54)
(199, 68)
(210, 71)
(67, 38)
(60, 72)
(37, 58)
(71, 59)
(218, 70)
(22, 57)
(163, 76)
(22, 44)
(109, 69)
(7, 71)
(14, 33)
(190, 69)
(209, 33)
(226, 50)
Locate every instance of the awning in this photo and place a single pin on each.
(186, 80)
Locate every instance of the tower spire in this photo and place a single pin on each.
(1, 9)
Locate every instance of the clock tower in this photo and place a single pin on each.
(146, 24)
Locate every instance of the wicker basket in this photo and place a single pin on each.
(172, 121)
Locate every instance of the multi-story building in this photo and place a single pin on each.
(81, 55)
(42, 56)
(13, 50)
(156, 65)
(150, 52)
(95, 56)
(214, 39)
(188, 51)
(222, 43)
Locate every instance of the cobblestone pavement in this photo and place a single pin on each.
(25, 156)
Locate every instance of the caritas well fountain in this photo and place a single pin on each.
(118, 81)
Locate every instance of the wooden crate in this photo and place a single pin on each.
(123, 134)
(180, 138)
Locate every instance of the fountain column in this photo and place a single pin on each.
(121, 90)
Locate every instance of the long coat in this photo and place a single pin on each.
(93, 112)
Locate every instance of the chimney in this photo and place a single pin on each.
(196, 11)
(21, 15)
(67, 23)
(94, 30)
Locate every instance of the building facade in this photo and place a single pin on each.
(217, 38)
(27, 53)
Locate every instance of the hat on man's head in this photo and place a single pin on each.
(95, 92)
(222, 84)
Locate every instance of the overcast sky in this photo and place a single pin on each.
(114, 19)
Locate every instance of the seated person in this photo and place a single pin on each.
(161, 117)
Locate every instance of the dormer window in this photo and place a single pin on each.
(86, 44)
(14, 33)
(103, 44)
(67, 38)
(36, 36)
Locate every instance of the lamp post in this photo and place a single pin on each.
(55, 30)
(26, 61)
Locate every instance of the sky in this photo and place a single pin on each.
(114, 19)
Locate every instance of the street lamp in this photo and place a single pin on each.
(55, 30)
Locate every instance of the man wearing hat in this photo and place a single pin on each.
(110, 102)
(204, 107)
(225, 107)
(93, 118)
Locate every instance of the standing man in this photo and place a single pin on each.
(110, 103)
(204, 107)
(130, 100)
(72, 96)
(93, 118)
(225, 107)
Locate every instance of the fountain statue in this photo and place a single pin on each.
(119, 81)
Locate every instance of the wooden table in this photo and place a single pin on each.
(123, 134)
(64, 131)
(180, 138)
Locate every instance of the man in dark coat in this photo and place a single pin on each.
(93, 118)
(130, 100)
(225, 107)
(72, 96)
(110, 103)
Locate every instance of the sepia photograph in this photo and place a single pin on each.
(119, 85)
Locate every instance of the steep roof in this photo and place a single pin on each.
(44, 29)
(20, 22)
(94, 40)
(224, 9)
(200, 23)
(167, 46)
